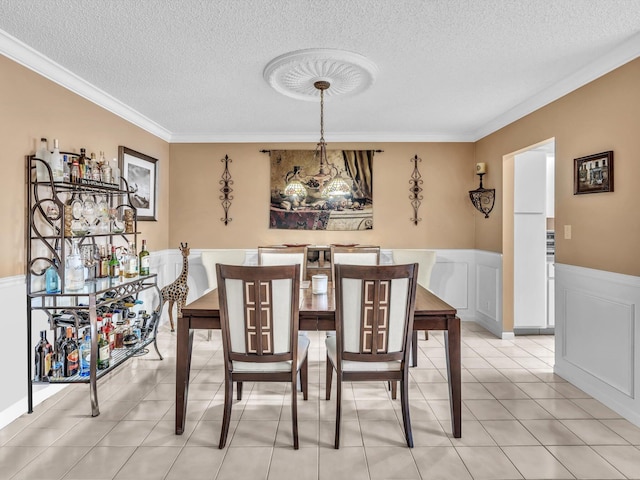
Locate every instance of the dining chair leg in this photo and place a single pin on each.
(304, 378)
(338, 410)
(426, 334)
(294, 411)
(404, 400)
(239, 388)
(329, 379)
(226, 416)
(394, 390)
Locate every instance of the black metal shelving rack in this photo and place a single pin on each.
(46, 202)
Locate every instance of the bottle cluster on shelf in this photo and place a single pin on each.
(76, 168)
(87, 263)
(118, 328)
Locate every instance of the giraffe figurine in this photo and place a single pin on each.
(177, 291)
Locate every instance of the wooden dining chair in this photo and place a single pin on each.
(259, 309)
(374, 321)
(282, 255)
(356, 255)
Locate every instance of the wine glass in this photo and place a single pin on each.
(89, 261)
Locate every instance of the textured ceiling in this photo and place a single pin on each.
(448, 69)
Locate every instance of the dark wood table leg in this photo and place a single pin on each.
(414, 349)
(454, 373)
(183, 369)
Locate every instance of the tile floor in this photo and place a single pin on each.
(519, 421)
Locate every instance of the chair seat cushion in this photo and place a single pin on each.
(351, 366)
(254, 367)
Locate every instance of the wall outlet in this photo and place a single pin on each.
(567, 232)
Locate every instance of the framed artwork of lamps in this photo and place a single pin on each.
(308, 195)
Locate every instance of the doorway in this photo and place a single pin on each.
(531, 235)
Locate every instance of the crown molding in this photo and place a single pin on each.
(623, 53)
(26, 56)
(353, 137)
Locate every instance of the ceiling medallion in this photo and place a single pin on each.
(294, 74)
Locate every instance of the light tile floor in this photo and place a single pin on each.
(519, 421)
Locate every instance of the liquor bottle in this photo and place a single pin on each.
(60, 339)
(84, 350)
(103, 262)
(82, 163)
(114, 264)
(132, 262)
(95, 168)
(51, 277)
(104, 353)
(105, 169)
(66, 169)
(74, 269)
(43, 154)
(43, 358)
(115, 172)
(144, 259)
(70, 353)
(74, 172)
(55, 160)
(109, 333)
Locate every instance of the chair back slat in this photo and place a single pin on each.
(374, 326)
(258, 317)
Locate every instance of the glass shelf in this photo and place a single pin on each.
(103, 285)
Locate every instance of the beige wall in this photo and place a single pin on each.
(446, 212)
(603, 115)
(34, 107)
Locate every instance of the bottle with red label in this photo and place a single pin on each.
(109, 334)
(70, 354)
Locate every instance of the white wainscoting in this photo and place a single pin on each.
(598, 335)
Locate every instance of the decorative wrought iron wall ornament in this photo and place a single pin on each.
(226, 189)
(415, 189)
(483, 198)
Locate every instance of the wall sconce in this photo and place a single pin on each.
(483, 198)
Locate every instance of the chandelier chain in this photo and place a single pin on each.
(322, 116)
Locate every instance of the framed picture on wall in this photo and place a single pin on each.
(141, 174)
(593, 173)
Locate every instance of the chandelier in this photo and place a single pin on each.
(337, 186)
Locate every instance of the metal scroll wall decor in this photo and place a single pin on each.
(415, 189)
(226, 190)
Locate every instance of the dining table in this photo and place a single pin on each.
(317, 312)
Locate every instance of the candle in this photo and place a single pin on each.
(481, 168)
